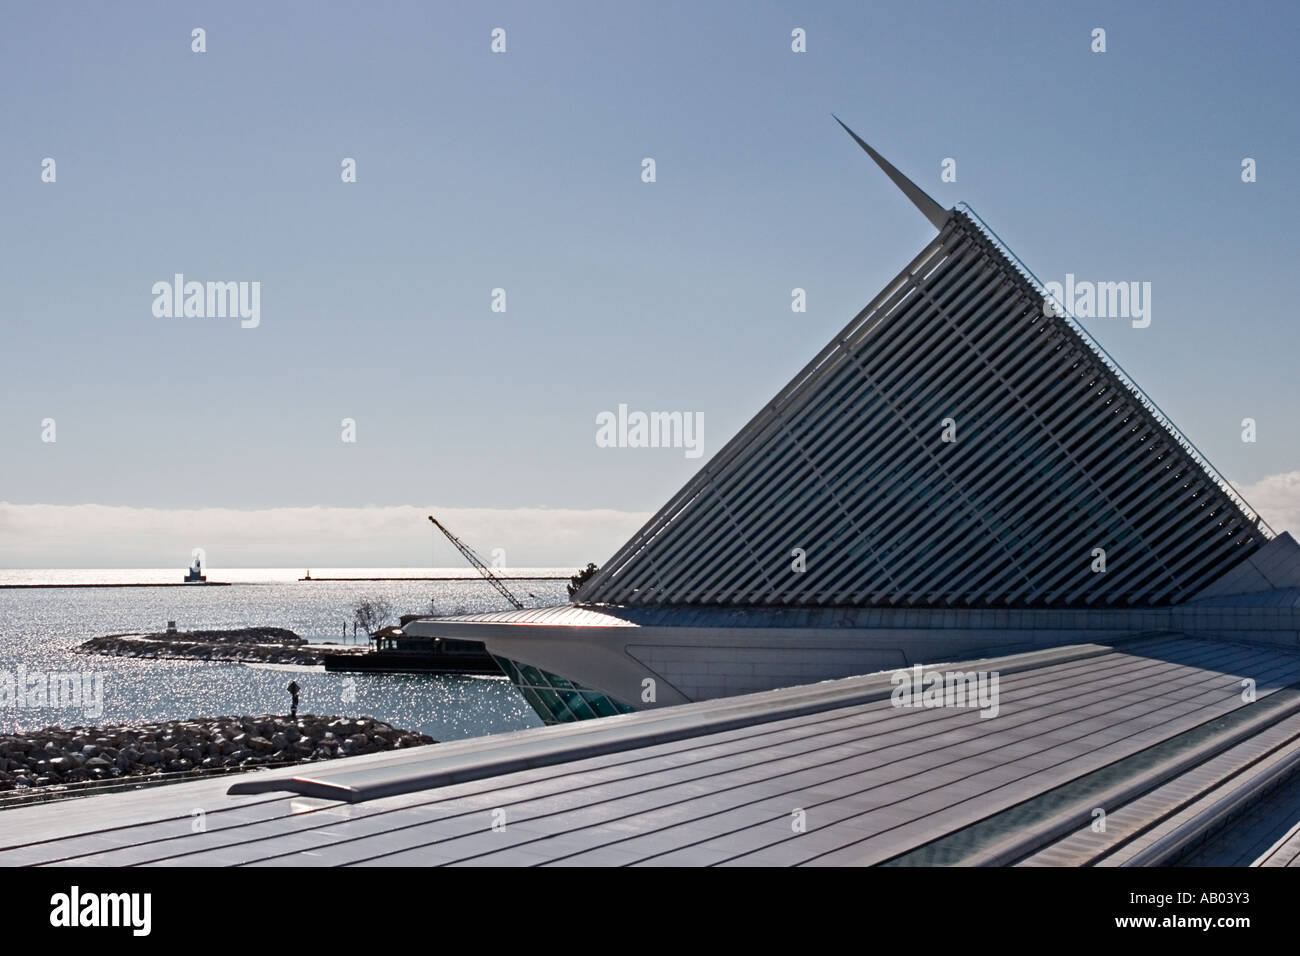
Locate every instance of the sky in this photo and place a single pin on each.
(522, 171)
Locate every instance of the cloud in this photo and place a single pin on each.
(1277, 498)
(111, 536)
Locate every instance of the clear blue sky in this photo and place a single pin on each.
(522, 171)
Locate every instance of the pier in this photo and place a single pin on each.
(462, 578)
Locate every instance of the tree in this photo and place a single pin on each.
(578, 580)
(370, 614)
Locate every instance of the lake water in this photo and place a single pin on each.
(39, 627)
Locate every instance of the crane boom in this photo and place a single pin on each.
(475, 560)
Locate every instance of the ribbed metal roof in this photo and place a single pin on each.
(1150, 730)
(1056, 453)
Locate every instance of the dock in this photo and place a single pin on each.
(392, 652)
(394, 662)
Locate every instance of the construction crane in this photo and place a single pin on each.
(475, 560)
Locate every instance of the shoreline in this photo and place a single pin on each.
(54, 757)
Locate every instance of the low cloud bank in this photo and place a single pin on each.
(110, 536)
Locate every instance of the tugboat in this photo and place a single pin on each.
(196, 575)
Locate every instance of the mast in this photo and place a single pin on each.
(930, 209)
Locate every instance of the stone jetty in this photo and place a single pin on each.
(55, 756)
(251, 645)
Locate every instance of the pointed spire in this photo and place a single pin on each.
(929, 208)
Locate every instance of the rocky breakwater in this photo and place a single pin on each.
(257, 645)
(55, 756)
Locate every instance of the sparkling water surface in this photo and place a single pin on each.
(39, 627)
